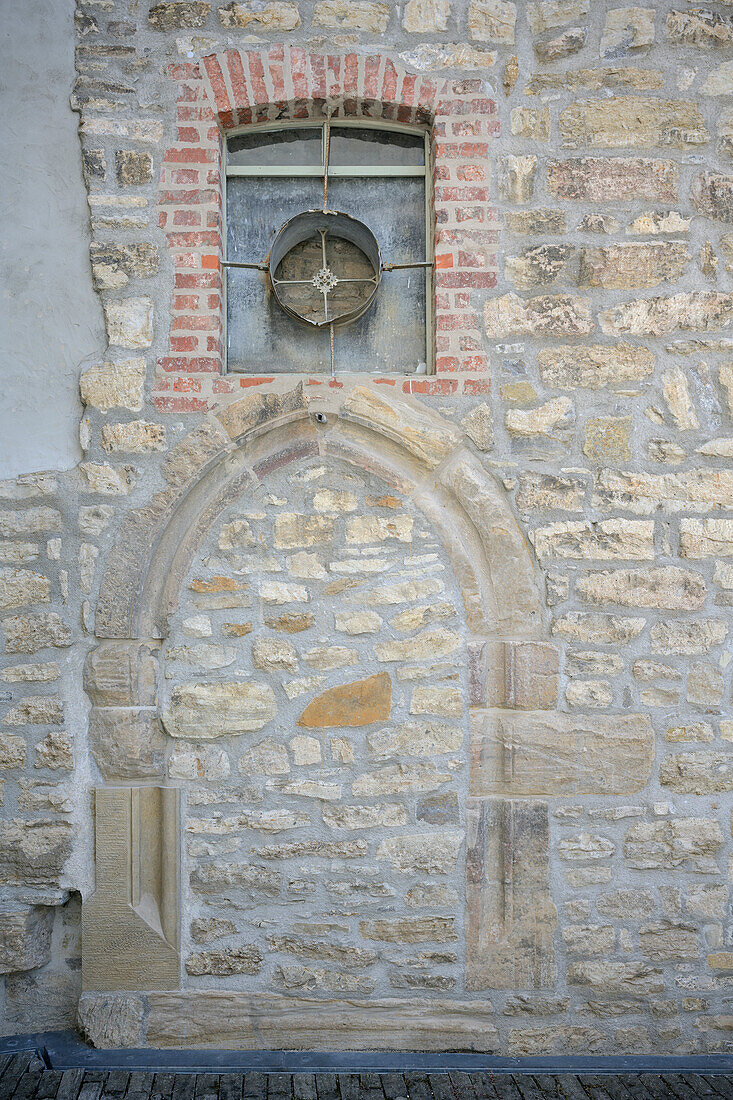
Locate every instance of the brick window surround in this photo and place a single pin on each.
(236, 88)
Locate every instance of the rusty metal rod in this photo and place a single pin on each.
(400, 267)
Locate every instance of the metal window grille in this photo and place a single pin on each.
(376, 172)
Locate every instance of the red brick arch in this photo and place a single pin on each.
(239, 87)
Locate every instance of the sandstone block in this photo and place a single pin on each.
(314, 949)
(676, 392)
(30, 521)
(426, 16)
(398, 779)
(557, 46)
(687, 636)
(356, 704)
(492, 21)
(278, 15)
(243, 959)
(699, 27)
(36, 710)
(591, 939)
(133, 168)
(175, 14)
(187, 762)
(25, 939)
(447, 702)
(366, 529)
(547, 315)
(665, 940)
(666, 587)
(410, 930)
(352, 14)
(416, 739)
(688, 842)
(134, 437)
(278, 592)
(19, 587)
(413, 426)
(632, 121)
(385, 814)
(293, 531)
(617, 978)
(215, 878)
(126, 742)
(530, 223)
(357, 622)
(626, 904)
(532, 123)
(613, 179)
(33, 853)
(271, 654)
(55, 751)
(608, 438)
(529, 754)
(656, 222)
(627, 30)
(428, 645)
(515, 675)
(111, 1019)
(539, 266)
(515, 178)
(202, 711)
(619, 539)
(543, 15)
(509, 931)
(706, 538)
(431, 896)
(129, 321)
(12, 751)
(103, 478)
(117, 385)
(623, 266)
(265, 758)
(699, 311)
(698, 772)
(433, 853)
(547, 492)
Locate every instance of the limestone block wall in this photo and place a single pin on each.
(445, 683)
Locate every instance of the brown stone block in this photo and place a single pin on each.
(559, 754)
(510, 915)
(633, 121)
(521, 674)
(126, 742)
(130, 924)
(257, 410)
(613, 179)
(356, 704)
(121, 674)
(237, 1020)
(415, 428)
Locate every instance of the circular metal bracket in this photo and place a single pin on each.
(337, 264)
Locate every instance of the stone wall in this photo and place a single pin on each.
(443, 680)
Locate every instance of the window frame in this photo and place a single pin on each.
(425, 170)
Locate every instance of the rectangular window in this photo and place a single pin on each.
(378, 174)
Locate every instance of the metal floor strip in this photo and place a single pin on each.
(62, 1050)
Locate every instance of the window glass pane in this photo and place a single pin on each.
(381, 147)
(277, 147)
(389, 338)
(392, 207)
(257, 208)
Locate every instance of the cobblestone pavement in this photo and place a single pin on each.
(24, 1077)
